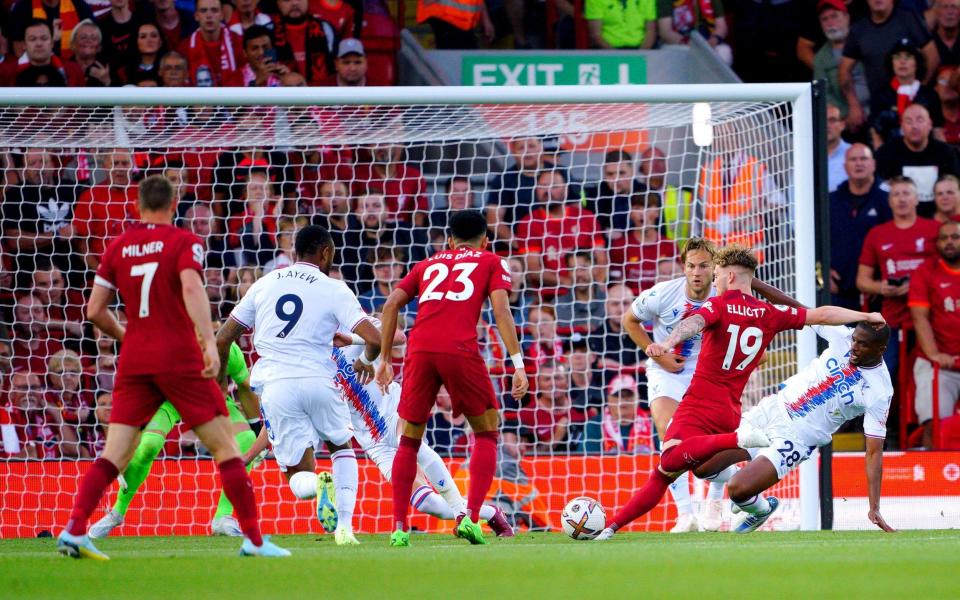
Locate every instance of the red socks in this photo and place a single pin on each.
(643, 501)
(695, 450)
(483, 463)
(404, 472)
(239, 490)
(94, 484)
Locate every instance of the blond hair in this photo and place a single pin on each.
(698, 243)
(58, 362)
(736, 255)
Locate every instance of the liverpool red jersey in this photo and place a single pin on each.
(144, 266)
(451, 287)
(936, 286)
(739, 328)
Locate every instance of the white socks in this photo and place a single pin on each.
(680, 490)
(304, 485)
(429, 502)
(757, 505)
(715, 492)
(346, 479)
(439, 476)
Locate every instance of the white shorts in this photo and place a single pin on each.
(378, 434)
(949, 390)
(785, 451)
(299, 413)
(671, 385)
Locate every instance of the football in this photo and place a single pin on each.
(583, 518)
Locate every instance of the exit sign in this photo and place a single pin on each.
(552, 69)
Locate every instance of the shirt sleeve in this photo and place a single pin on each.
(348, 310)
(245, 312)
(711, 311)
(411, 282)
(919, 294)
(647, 305)
(191, 255)
(835, 335)
(868, 256)
(106, 271)
(783, 318)
(237, 365)
(499, 275)
(875, 417)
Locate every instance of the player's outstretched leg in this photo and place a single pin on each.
(452, 502)
(640, 504)
(134, 475)
(223, 521)
(746, 492)
(696, 449)
(346, 476)
(686, 521)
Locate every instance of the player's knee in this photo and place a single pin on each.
(738, 489)
(150, 444)
(704, 473)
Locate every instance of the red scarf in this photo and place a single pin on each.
(68, 20)
(905, 93)
(197, 56)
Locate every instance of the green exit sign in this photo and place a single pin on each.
(551, 69)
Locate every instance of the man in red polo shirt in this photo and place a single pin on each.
(935, 307)
(557, 225)
(891, 253)
(104, 211)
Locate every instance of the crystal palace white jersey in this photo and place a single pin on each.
(371, 412)
(294, 313)
(666, 304)
(830, 391)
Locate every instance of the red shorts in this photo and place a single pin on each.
(137, 397)
(695, 417)
(465, 377)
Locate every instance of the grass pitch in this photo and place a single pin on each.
(918, 564)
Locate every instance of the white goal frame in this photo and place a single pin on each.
(799, 95)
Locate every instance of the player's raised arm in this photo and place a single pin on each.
(774, 295)
(198, 307)
(837, 315)
(397, 299)
(874, 463)
(687, 329)
(364, 363)
(500, 300)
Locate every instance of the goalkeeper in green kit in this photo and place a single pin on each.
(155, 434)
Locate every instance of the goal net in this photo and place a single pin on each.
(589, 193)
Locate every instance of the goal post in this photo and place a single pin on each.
(256, 163)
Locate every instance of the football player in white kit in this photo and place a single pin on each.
(295, 312)
(847, 380)
(668, 377)
(375, 424)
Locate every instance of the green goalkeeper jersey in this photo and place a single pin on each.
(237, 369)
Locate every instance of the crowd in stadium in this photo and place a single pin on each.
(578, 251)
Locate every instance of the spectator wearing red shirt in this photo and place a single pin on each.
(634, 257)
(246, 14)
(547, 345)
(948, 88)
(946, 195)
(551, 424)
(894, 250)
(254, 233)
(38, 38)
(104, 211)
(556, 226)
(400, 184)
(339, 14)
(37, 424)
(935, 306)
(76, 404)
(214, 53)
(87, 45)
(34, 339)
(304, 43)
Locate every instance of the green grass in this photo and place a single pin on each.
(918, 564)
